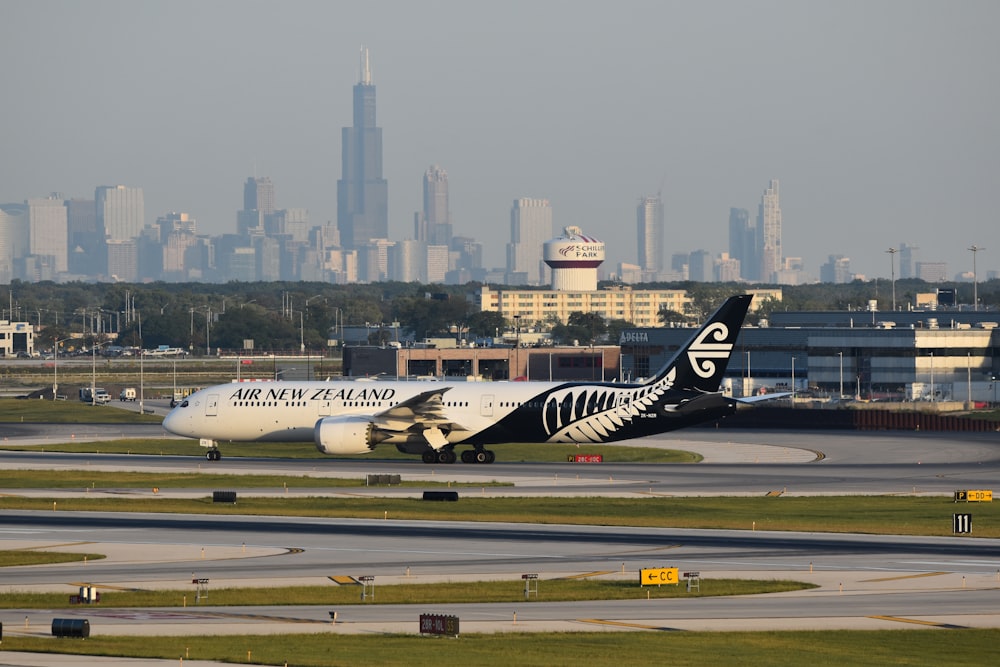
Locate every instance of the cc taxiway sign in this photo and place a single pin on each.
(658, 576)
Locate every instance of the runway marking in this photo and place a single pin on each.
(585, 575)
(344, 580)
(622, 624)
(915, 621)
(905, 576)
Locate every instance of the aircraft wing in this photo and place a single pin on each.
(426, 410)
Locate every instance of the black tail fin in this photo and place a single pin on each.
(701, 363)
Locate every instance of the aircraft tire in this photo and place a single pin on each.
(447, 456)
(481, 456)
(468, 456)
(213, 455)
(490, 456)
(429, 456)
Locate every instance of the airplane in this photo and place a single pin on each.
(432, 419)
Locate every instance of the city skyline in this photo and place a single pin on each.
(889, 140)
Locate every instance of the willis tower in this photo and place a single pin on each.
(362, 193)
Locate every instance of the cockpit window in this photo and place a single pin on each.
(184, 403)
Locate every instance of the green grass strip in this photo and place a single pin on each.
(880, 515)
(556, 590)
(103, 480)
(69, 412)
(816, 649)
(17, 557)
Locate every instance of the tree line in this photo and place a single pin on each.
(287, 315)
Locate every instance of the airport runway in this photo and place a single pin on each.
(864, 581)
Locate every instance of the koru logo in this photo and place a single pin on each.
(702, 351)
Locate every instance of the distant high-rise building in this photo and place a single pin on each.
(727, 269)
(408, 261)
(437, 217)
(258, 206)
(530, 228)
(437, 263)
(362, 192)
(120, 212)
(373, 260)
(932, 272)
(293, 222)
(86, 242)
(769, 234)
(49, 232)
(14, 238)
(258, 195)
(836, 270)
(743, 242)
(649, 226)
(123, 260)
(469, 253)
(907, 257)
(701, 268)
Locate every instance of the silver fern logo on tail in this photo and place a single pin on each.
(703, 353)
(597, 413)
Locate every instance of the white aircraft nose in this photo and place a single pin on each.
(173, 422)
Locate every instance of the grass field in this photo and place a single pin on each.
(899, 515)
(556, 590)
(817, 649)
(69, 412)
(28, 557)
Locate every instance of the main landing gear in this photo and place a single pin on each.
(447, 455)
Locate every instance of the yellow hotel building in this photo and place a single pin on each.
(641, 307)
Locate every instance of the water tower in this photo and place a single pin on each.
(574, 259)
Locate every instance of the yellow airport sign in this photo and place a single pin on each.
(974, 496)
(658, 576)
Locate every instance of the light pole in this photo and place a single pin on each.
(93, 372)
(968, 377)
(892, 264)
(749, 389)
(793, 382)
(841, 355)
(975, 280)
(55, 367)
(517, 343)
(302, 334)
(932, 376)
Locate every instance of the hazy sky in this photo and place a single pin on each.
(880, 119)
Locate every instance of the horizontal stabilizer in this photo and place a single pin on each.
(763, 397)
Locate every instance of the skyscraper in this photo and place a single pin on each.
(14, 238)
(437, 217)
(120, 212)
(649, 226)
(258, 195)
(530, 228)
(769, 234)
(362, 193)
(742, 242)
(49, 234)
(907, 257)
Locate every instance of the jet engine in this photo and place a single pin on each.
(345, 435)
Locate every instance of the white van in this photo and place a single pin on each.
(128, 394)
